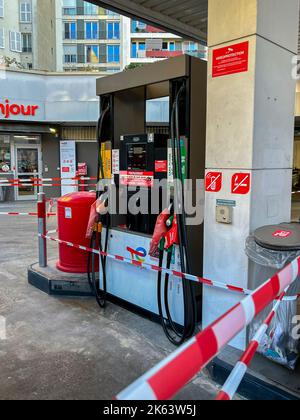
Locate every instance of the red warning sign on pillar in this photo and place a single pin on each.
(213, 182)
(241, 183)
(230, 60)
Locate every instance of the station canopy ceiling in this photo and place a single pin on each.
(186, 18)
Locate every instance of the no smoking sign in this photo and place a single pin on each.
(241, 183)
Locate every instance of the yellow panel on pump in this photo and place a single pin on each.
(106, 155)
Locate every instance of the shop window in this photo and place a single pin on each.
(5, 156)
(25, 11)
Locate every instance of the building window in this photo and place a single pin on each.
(90, 9)
(191, 47)
(91, 30)
(25, 11)
(172, 46)
(70, 54)
(1, 8)
(2, 38)
(70, 58)
(15, 41)
(26, 43)
(136, 48)
(111, 13)
(70, 30)
(69, 7)
(137, 26)
(92, 54)
(113, 53)
(113, 30)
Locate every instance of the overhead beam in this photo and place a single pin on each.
(136, 11)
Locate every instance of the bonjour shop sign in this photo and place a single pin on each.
(9, 109)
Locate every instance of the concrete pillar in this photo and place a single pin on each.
(251, 100)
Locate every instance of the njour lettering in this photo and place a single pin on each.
(7, 109)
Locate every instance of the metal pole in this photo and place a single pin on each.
(42, 230)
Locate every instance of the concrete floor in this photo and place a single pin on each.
(60, 348)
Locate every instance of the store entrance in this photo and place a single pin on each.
(28, 165)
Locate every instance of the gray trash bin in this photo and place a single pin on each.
(270, 249)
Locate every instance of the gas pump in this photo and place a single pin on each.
(134, 159)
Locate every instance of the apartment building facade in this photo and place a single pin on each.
(148, 44)
(93, 38)
(28, 34)
(97, 39)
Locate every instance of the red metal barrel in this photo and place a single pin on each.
(73, 215)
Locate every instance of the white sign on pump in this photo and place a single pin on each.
(68, 166)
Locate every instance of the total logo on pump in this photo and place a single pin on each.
(138, 254)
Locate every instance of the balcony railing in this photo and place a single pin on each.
(168, 54)
(82, 11)
(163, 54)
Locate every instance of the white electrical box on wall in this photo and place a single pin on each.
(224, 214)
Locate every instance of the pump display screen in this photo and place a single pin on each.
(137, 157)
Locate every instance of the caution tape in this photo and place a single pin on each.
(23, 214)
(33, 179)
(25, 185)
(232, 384)
(152, 267)
(52, 232)
(149, 266)
(167, 378)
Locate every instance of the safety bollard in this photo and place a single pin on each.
(42, 230)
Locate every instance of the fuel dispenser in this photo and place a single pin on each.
(133, 160)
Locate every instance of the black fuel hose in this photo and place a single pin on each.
(172, 332)
(97, 237)
(91, 271)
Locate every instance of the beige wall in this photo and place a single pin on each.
(45, 35)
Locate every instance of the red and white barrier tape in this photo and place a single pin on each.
(232, 384)
(21, 185)
(150, 266)
(23, 214)
(167, 378)
(25, 180)
(52, 232)
(155, 268)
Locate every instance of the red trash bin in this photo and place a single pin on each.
(73, 212)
